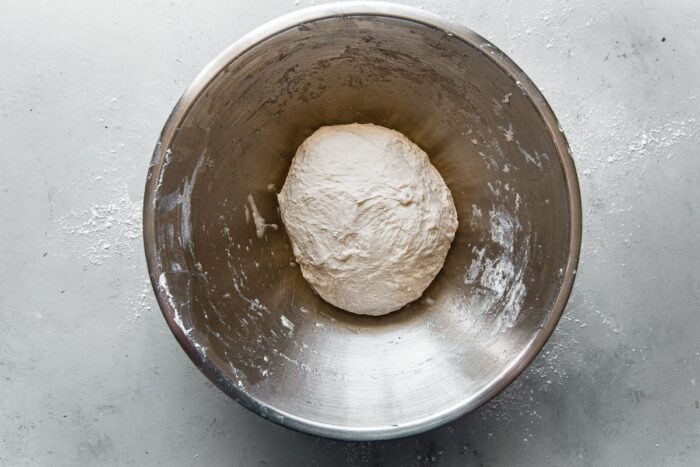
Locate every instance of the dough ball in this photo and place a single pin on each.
(369, 217)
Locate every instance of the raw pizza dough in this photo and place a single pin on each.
(369, 217)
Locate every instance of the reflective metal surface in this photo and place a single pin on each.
(240, 307)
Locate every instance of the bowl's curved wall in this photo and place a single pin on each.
(228, 284)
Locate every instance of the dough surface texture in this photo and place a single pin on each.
(369, 217)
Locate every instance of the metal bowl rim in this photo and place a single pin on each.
(381, 9)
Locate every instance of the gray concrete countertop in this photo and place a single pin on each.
(90, 374)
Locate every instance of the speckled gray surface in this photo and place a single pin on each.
(89, 373)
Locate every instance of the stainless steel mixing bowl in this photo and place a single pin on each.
(237, 303)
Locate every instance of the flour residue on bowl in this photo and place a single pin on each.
(259, 220)
(286, 323)
(163, 285)
(186, 204)
(239, 277)
(500, 277)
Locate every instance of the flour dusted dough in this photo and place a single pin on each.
(369, 217)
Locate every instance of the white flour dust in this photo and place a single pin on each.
(103, 231)
(141, 305)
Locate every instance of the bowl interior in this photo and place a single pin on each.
(239, 303)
